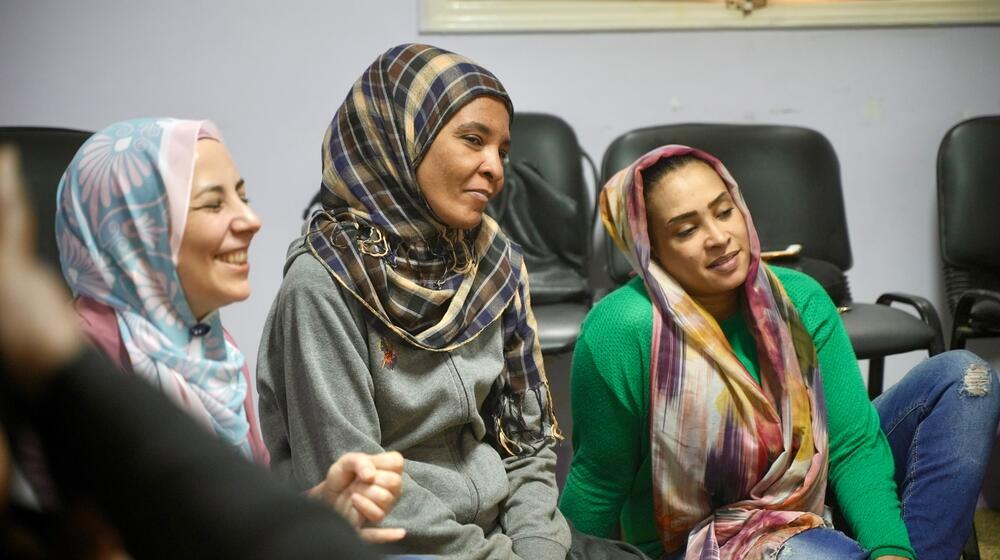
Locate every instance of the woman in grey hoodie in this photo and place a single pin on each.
(404, 322)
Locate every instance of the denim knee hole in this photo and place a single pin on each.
(976, 381)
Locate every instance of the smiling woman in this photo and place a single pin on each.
(403, 321)
(142, 262)
(212, 263)
(717, 399)
(463, 168)
(154, 225)
(696, 231)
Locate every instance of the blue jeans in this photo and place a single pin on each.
(940, 420)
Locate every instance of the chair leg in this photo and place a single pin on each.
(957, 335)
(971, 549)
(957, 339)
(876, 368)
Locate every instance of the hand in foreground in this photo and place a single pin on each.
(363, 489)
(38, 328)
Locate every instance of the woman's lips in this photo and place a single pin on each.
(235, 260)
(237, 256)
(480, 196)
(725, 263)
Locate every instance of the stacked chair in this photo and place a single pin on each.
(45, 154)
(545, 207)
(968, 199)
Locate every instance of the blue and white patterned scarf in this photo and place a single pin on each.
(122, 208)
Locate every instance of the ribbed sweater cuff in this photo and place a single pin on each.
(892, 551)
(538, 548)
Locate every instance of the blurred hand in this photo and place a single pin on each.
(38, 327)
(363, 489)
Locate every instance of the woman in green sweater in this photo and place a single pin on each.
(715, 399)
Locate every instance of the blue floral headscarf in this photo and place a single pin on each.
(122, 208)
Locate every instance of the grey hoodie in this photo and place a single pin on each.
(330, 384)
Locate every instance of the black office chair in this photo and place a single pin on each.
(790, 178)
(45, 154)
(546, 208)
(968, 197)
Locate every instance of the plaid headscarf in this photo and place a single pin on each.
(433, 286)
(738, 467)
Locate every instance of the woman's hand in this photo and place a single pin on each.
(38, 327)
(363, 489)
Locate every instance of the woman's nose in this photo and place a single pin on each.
(492, 166)
(248, 221)
(717, 235)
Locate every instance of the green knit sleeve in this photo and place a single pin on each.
(609, 411)
(861, 463)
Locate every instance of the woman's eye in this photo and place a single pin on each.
(504, 155)
(686, 232)
(474, 140)
(725, 214)
(212, 206)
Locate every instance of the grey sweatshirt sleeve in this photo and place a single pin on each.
(317, 402)
(531, 516)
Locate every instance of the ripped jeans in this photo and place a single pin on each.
(940, 420)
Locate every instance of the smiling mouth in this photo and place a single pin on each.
(233, 257)
(724, 259)
(483, 196)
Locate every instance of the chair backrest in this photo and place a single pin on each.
(546, 207)
(968, 200)
(45, 154)
(790, 177)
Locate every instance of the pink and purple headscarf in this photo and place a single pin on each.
(738, 466)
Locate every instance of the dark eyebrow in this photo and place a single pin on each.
(719, 199)
(715, 202)
(476, 126)
(219, 189)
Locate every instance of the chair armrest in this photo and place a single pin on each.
(925, 310)
(961, 328)
(969, 298)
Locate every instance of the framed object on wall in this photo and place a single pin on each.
(518, 16)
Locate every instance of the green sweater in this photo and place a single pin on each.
(610, 483)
